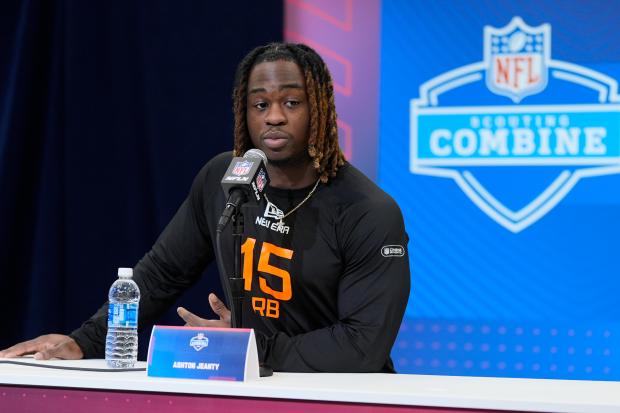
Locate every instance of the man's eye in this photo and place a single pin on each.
(260, 105)
(291, 103)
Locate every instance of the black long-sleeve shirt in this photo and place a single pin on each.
(325, 291)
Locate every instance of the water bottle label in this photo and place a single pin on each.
(123, 315)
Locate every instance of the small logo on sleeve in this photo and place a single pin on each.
(392, 251)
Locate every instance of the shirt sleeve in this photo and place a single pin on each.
(174, 264)
(372, 296)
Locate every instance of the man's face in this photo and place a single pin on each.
(278, 114)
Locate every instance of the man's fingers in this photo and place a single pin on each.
(193, 320)
(190, 319)
(43, 355)
(9, 352)
(46, 347)
(58, 351)
(21, 349)
(49, 353)
(67, 350)
(219, 307)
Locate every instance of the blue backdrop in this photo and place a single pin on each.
(502, 147)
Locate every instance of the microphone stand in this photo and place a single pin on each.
(236, 278)
(236, 282)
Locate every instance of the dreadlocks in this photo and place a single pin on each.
(323, 145)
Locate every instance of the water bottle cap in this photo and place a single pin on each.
(125, 272)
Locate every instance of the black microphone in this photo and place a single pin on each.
(246, 178)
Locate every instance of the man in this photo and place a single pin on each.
(322, 293)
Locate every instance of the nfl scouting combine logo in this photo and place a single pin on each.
(517, 130)
(199, 342)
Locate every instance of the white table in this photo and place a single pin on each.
(386, 392)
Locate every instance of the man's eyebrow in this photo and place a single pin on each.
(290, 86)
(281, 87)
(257, 90)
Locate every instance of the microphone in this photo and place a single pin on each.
(246, 178)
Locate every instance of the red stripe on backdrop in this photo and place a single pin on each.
(346, 34)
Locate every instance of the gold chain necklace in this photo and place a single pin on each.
(296, 206)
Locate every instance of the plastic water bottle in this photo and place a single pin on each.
(121, 344)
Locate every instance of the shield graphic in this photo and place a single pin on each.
(516, 57)
(199, 342)
(242, 168)
(261, 180)
(516, 162)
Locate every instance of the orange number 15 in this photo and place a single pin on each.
(247, 249)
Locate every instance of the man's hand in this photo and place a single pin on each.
(218, 308)
(46, 347)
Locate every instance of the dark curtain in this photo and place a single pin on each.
(108, 110)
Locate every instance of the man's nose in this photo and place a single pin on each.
(275, 115)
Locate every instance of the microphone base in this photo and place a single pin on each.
(265, 371)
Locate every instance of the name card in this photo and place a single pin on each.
(203, 353)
